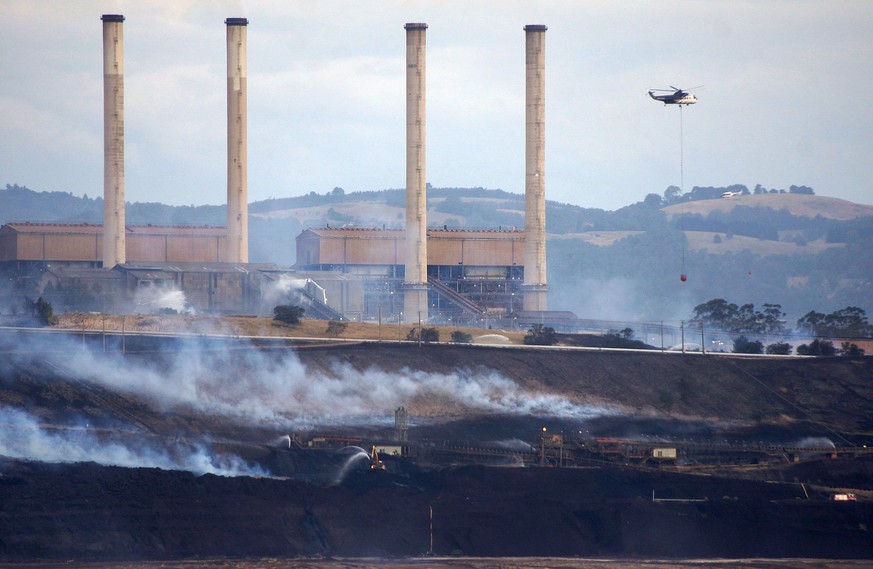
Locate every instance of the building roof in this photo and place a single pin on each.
(91, 228)
(31, 227)
(202, 267)
(396, 233)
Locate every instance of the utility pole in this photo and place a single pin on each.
(430, 546)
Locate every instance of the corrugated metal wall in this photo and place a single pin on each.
(179, 245)
(355, 247)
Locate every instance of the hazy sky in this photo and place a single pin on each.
(787, 96)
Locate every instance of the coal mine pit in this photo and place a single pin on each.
(371, 450)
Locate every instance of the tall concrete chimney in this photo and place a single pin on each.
(535, 290)
(113, 140)
(237, 140)
(415, 306)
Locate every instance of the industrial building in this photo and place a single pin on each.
(82, 244)
(68, 259)
(471, 274)
(411, 274)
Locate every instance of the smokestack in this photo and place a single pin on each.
(113, 140)
(415, 306)
(237, 154)
(535, 290)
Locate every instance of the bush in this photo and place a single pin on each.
(817, 348)
(288, 313)
(743, 345)
(335, 328)
(779, 348)
(540, 335)
(459, 337)
(42, 311)
(426, 335)
(851, 349)
(624, 334)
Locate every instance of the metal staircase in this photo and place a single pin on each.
(467, 306)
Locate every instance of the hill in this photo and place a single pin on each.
(797, 205)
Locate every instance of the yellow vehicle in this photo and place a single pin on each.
(376, 464)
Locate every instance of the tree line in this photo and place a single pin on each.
(849, 322)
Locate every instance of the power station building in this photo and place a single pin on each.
(470, 274)
(413, 274)
(158, 258)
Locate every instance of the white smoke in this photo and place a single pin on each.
(277, 292)
(24, 437)
(157, 299)
(257, 388)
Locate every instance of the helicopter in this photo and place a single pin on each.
(675, 97)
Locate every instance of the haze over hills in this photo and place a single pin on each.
(796, 249)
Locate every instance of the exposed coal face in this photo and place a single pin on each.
(86, 511)
(171, 401)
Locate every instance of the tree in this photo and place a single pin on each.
(772, 319)
(652, 200)
(459, 337)
(801, 190)
(811, 322)
(849, 322)
(335, 328)
(744, 319)
(672, 194)
(540, 335)
(717, 312)
(743, 345)
(288, 313)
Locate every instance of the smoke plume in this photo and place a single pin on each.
(254, 388)
(24, 437)
(268, 390)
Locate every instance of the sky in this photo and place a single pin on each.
(785, 97)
